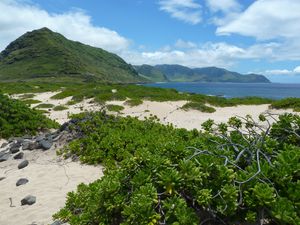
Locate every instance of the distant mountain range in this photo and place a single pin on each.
(43, 54)
(178, 73)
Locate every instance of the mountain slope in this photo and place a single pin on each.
(151, 73)
(208, 74)
(43, 53)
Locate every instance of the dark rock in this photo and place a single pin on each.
(20, 155)
(4, 145)
(2, 178)
(57, 222)
(14, 150)
(23, 164)
(33, 145)
(46, 144)
(25, 145)
(40, 138)
(19, 141)
(27, 137)
(4, 157)
(64, 126)
(28, 200)
(16, 144)
(22, 181)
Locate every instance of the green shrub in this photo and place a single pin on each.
(17, 119)
(26, 96)
(156, 174)
(60, 108)
(287, 103)
(133, 102)
(198, 106)
(114, 108)
(30, 101)
(44, 106)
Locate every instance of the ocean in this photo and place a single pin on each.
(232, 90)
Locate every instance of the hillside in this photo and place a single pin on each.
(43, 53)
(151, 73)
(180, 73)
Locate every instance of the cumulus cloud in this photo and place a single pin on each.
(208, 54)
(185, 44)
(295, 71)
(266, 19)
(185, 10)
(18, 17)
(223, 5)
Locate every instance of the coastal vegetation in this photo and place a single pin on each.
(134, 94)
(17, 119)
(233, 173)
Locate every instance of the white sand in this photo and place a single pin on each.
(50, 179)
(167, 112)
(63, 116)
(170, 112)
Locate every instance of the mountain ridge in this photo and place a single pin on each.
(179, 73)
(43, 53)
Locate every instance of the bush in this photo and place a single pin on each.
(17, 119)
(287, 103)
(30, 101)
(114, 108)
(60, 108)
(44, 106)
(133, 102)
(198, 106)
(157, 174)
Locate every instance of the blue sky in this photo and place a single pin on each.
(246, 36)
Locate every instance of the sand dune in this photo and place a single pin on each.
(167, 112)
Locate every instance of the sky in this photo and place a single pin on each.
(247, 36)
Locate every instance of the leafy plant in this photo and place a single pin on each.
(234, 173)
(44, 106)
(114, 108)
(60, 108)
(17, 119)
(198, 106)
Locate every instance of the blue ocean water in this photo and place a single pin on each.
(231, 90)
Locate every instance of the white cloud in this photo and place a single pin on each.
(185, 10)
(208, 54)
(185, 44)
(223, 5)
(266, 19)
(295, 71)
(18, 17)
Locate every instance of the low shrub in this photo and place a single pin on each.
(31, 101)
(17, 119)
(44, 106)
(60, 108)
(156, 174)
(134, 102)
(198, 106)
(114, 108)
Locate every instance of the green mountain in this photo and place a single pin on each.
(151, 73)
(43, 53)
(180, 73)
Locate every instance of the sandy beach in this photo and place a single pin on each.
(167, 112)
(50, 178)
